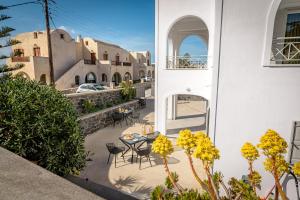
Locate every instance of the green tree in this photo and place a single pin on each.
(5, 34)
(40, 124)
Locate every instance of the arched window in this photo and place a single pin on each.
(141, 74)
(90, 78)
(127, 76)
(77, 80)
(286, 34)
(43, 80)
(149, 73)
(104, 77)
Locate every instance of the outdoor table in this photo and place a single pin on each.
(137, 138)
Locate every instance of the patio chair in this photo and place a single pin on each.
(143, 152)
(135, 116)
(115, 150)
(117, 118)
(142, 103)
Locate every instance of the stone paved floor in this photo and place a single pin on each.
(127, 177)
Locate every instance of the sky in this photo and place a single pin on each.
(128, 23)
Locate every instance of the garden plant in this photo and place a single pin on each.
(199, 146)
(40, 124)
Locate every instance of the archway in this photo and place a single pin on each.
(90, 78)
(117, 79)
(104, 77)
(142, 74)
(23, 75)
(193, 31)
(127, 76)
(149, 73)
(186, 112)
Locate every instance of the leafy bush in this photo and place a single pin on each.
(128, 92)
(40, 124)
(88, 106)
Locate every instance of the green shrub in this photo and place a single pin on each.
(128, 92)
(88, 106)
(40, 124)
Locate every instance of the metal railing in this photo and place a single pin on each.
(126, 63)
(187, 62)
(286, 50)
(20, 59)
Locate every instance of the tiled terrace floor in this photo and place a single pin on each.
(127, 177)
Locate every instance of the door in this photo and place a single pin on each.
(93, 58)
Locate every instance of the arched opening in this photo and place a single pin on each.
(23, 75)
(104, 77)
(286, 34)
(186, 112)
(149, 73)
(141, 74)
(127, 76)
(36, 50)
(90, 78)
(187, 46)
(118, 59)
(117, 79)
(77, 80)
(43, 80)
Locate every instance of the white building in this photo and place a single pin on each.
(250, 75)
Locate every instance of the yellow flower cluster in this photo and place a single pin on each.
(186, 140)
(162, 145)
(206, 151)
(272, 144)
(276, 163)
(249, 152)
(296, 168)
(255, 178)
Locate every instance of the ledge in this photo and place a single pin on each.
(282, 65)
(22, 180)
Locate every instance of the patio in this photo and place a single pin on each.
(126, 176)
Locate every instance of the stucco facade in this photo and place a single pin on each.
(248, 92)
(76, 61)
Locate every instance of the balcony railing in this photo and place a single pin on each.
(187, 62)
(89, 62)
(117, 63)
(20, 59)
(286, 50)
(126, 63)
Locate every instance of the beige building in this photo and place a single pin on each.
(84, 60)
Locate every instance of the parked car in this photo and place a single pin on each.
(90, 87)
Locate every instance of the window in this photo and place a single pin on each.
(36, 51)
(19, 52)
(90, 78)
(62, 36)
(148, 62)
(77, 80)
(35, 35)
(139, 61)
(87, 43)
(293, 25)
(105, 56)
(43, 79)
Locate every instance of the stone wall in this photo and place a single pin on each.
(69, 90)
(98, 98)
(94, 121)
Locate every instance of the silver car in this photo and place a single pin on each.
(90, 87)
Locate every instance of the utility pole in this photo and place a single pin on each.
(52, 83)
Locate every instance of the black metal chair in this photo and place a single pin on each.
(115, 150)
(135, 116)
(143, 152)
(117, 118)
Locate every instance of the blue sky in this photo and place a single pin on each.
(128, 23)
